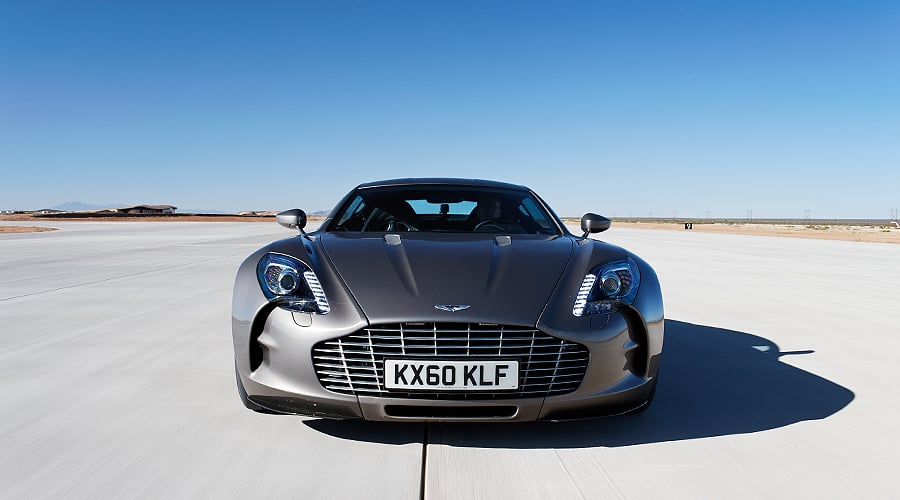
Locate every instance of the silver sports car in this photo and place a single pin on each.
(450, 300)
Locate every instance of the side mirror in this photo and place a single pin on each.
(593, 223)
(292, 219)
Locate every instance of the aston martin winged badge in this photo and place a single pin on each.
(451, 307)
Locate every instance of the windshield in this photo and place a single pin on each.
(444, 209)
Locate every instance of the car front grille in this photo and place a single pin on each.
(354, 364)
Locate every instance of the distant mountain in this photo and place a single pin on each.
(77, 206)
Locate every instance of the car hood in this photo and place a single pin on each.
(402, 277)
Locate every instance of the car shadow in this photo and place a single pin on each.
(713, 382)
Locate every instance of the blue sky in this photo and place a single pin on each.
(621, 108)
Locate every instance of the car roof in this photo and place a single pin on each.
(441, 181)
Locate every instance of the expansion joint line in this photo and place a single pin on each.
(424, 460)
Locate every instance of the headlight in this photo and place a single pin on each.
(291, 284)
(607, 287)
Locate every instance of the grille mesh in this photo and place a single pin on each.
(354, 364)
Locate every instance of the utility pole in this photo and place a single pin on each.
(750, 215)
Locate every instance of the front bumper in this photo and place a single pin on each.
(285, 379)
(632, 395)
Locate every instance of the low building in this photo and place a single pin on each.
(146, 209)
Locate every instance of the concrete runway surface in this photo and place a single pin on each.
(778, 381)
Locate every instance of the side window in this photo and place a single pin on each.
(532, 211)
(352, 219)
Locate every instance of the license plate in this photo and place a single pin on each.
(451, 375)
